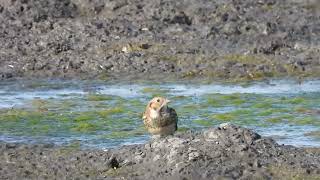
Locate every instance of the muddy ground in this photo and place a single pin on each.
(106, 39)
(225, 152)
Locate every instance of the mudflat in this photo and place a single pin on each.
(224, 39)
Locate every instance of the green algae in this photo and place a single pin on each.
(20, 114)
(183, 129)
(241, 112)
(135, 103)
(84, 127)
(25, 122)
(220, 100)
(108, 112)
(201, 122)
(237, 116)
(275, 120)
(301, 110)
(10, 116)
(238, 101)
(86, 116)
(214, 102)
(267, 112)
(230, 96)
(245, 121)
(295, 100)
(189, 108)
(98, 97)
(263, 105)
(307, 120)
(40, 129)
(281, 118)
(224, 117)
(33, 122)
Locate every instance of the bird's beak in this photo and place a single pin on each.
(164, 104)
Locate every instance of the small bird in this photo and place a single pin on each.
(158, 118)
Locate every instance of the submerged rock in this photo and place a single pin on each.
(227, 151)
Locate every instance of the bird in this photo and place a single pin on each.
(159, 119)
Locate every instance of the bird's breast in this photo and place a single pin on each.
(154, 114)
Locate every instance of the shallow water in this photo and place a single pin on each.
(104, 114)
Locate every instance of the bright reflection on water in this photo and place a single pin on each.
(103, 115)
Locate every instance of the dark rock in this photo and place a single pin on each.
(114, 163)
(227, 151)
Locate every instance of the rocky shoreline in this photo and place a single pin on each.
(105, 39)
(226, 152)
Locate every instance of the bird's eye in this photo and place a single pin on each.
(158, 100)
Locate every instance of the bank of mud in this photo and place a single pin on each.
(226, 151)
(237, 40)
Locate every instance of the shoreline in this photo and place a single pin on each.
(225, 151)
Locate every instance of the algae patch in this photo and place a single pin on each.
(201, 122)
(108, 112)
(84, 127)
(98, 97)
(224, 117)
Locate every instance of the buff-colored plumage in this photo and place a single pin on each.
(158, 118)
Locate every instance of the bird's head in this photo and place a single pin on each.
(157, 103)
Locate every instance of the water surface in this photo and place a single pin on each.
(105, 115)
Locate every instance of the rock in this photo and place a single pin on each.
(240, 154)
(10, 146)
(172, 156)
(179, 167)
(156, 157)
(176, 142)
(113, 163)
(193, 156)
(227, 133)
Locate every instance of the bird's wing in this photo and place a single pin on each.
(168, 117)
(173, 114)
